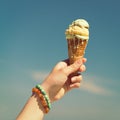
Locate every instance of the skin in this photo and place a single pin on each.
(61, 79)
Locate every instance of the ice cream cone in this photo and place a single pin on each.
(76, 49)
(77, 36)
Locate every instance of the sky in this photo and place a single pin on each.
(32, 41)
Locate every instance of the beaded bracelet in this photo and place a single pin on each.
(45, 95)
(42, 98)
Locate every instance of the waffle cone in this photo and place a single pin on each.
(76, 49)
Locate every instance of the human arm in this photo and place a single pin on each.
(61, 79)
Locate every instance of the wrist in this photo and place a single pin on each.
(46, 88)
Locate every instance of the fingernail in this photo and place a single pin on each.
(84, 59)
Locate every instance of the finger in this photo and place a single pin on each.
(73, 67)
(84, 60)
(76, 79)
(82, 68)
(75, 85)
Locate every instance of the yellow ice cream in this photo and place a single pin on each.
(79, 29)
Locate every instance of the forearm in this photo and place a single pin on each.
(33, 109)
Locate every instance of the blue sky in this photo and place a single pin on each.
(32, 41)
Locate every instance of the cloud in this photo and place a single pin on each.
(90, 83)
(93, 88)
(96, 85)
(39, 75)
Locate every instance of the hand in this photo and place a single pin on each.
(63, 78)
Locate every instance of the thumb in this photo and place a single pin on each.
(73, 67)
